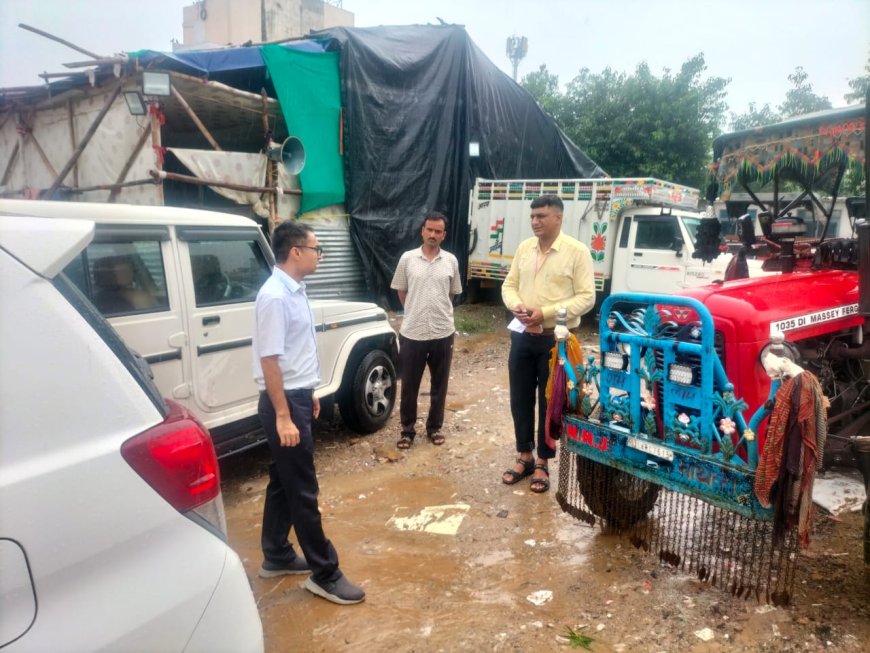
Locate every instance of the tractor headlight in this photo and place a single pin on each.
(682, 374)
(614, 360)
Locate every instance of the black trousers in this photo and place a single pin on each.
(528, 371)
(291, 496)
(414, 356)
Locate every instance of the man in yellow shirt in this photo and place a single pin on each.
(548, 272)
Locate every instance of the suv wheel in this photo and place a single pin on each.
(368, 401)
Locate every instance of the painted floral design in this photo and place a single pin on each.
(727, 425)
(648, 402)
(598, 242)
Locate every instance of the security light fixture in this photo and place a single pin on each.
(135, 105)
(156, 84)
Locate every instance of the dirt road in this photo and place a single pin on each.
(497, 568)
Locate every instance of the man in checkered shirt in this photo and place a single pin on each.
(427, 280)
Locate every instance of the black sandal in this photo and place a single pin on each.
(405, 442)
(515, 476)
(436, 438)
(540, 485)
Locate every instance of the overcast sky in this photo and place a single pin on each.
(756, 43)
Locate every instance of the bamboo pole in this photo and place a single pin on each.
(218, 85)
(87, 137)
(97, 62)
(10, 164)
(59, 40)
(72, 137)
(42, 155)
(173, 176)
(157, 147)
(196, 121)
(115, 188)
(129, 164)
(270, 165)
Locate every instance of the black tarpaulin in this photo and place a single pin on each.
(414, 98)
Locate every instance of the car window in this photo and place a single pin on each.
(227, 271)
(122, 278)
(655, 233)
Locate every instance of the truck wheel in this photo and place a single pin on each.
(618, 498)
(368, 402)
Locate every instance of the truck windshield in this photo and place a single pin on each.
(692, 225)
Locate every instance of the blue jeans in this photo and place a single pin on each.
(291, 496)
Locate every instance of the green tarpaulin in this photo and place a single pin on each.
(308, 88)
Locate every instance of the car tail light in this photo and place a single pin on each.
(177, 459)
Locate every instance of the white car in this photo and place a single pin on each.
(112, 533)
(179, 286)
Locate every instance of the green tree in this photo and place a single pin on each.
(859, 86)
(544, 87)
(643, 125)
(801, 99)
(755, 117)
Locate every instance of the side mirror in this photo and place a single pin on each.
(677, 246)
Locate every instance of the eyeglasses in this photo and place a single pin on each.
(318, 248)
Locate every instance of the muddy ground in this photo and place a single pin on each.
(474, 590)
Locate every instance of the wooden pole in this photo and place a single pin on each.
(72, 138)
(270, 165)
(196, 121)
(157, 146)
(42, 155)
(59, 40)
(10, 164)
(115, 188)
(87, 137)
(129, 164)
(96, 62)
(172, 176)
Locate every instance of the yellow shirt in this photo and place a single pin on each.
(560, 278)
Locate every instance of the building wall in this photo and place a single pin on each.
(233, 22)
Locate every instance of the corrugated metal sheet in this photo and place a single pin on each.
(340, 274)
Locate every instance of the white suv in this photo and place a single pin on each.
(179, 287)
(112, 534)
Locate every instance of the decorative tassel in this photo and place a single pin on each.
(556, 404)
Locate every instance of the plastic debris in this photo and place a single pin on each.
(540, 597)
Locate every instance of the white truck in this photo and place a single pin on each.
(641, 232)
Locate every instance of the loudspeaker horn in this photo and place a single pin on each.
(291, 153)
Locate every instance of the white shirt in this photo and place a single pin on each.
(429, 284)
(284, 327)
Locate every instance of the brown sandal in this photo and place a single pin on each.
(405, 442)
(515, 476)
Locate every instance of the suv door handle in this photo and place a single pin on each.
(211, 319)
(638, 253)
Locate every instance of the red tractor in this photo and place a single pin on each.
(659, 412)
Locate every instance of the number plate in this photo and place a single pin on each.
(648, 447)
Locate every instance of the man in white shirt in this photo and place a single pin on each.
(426, 280)
(287, 370)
